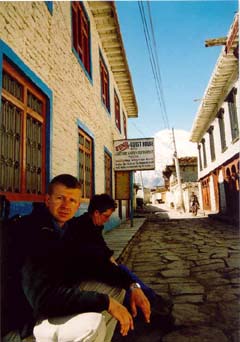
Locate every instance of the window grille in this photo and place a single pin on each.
(85, 164)
(117, 111)
(81, 34)
(108, 173)
(22, 137)
(104, 84)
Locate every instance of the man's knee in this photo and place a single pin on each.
(87, 327)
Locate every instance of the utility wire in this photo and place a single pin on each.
(154, 61)
(159, 78)
(151, 57)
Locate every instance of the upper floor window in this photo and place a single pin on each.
(117, 111)
(85, 164)
(200, 157)
(108, 173)
(220, 116)
(204, 153)
(211, 143)
(125, 125)
(231, 100)
(104, 84)
(49, 5)
(22, 137)
(81, 34)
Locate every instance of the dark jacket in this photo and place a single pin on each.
(47, 279)
(86, 243)
(46, 267)
(85, 234)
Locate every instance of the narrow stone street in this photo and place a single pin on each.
(196, 263)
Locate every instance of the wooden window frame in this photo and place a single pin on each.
(104, 76)
(108, 173)
(200, 157)
(81, 34)
(232, 108)
(204, 153)
(87, 193)
(117, 111)
(22, 106)
(125, 125)
(221, 124)
(211, 143)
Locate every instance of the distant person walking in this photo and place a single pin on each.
(194, 204)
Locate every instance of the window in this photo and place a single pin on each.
(117, 111)
(22, 137)
(49, 5)
(81, 34)
(104, 84)
(125, 125)
(220, 116)
(200, 157)
(108, 173)
(231, 100)
(85, 164)
(211, 143)
(204, 153)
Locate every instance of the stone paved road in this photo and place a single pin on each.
(195, 262)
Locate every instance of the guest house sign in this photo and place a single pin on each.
(134, 154)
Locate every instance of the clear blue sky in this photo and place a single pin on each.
(181, 28)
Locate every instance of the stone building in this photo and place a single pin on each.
(188, 173)
(66, 95)
(216, 132)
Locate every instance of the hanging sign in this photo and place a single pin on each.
(134, 154)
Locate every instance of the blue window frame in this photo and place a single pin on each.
(81, 37)
(16, 77)
(105, 83)
(49, 5)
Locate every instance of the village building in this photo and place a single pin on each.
(158, 194)
(175, 195)
(215, 130)
(66, 96)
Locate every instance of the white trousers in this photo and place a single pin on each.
(85, 327)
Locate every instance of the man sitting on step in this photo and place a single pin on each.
(86, 239)
(52, 276)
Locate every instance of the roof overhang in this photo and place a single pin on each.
(225, 72)
(106, 20)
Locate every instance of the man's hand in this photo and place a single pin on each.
(119, 312)
(138, 299)
(113, 261)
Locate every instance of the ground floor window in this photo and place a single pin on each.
(22, 137)
(85, 164)
(108, 173)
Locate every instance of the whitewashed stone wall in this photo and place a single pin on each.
(232, 148)
(44, 43)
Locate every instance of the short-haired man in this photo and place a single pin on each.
(50, 272)
(87, 240)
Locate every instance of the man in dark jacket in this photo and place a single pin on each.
(50, 272)
(86, 239)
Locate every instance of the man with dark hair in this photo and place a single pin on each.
(87, 240)
(50, 273)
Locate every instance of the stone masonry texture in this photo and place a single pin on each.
(196, 263)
